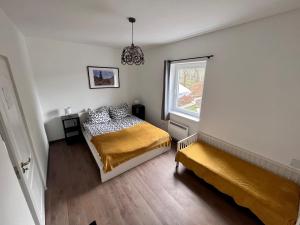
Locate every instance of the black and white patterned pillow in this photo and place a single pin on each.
(100, 115)
(111, 126)
(119, 112)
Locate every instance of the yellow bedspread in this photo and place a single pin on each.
(118, 147)
(271, 198)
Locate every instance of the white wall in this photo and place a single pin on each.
(251, 96)
(13, 46)
(61, 76)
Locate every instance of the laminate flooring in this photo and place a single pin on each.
(150, 194)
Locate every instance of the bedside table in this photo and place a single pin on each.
(138, 110)
(72, 128)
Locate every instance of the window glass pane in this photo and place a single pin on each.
(190, 82)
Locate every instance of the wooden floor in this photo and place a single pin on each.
(149, 194)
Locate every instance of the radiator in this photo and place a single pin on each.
(177, 131)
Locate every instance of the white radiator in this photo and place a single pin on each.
(177, 131)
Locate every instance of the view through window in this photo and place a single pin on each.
(188, 87)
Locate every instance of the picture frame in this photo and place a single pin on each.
(103, 77)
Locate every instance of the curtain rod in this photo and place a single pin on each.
(200, 57)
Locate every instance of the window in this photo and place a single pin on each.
(187, 82)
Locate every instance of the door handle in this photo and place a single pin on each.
(25, 164)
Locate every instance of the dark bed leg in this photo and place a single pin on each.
(177, 164)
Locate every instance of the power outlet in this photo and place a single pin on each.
(295, 163)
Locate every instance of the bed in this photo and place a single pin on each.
(272, 198)
(121, 144)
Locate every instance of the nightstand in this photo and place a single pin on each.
(138, 110)
(71, 126)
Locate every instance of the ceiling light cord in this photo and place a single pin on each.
(131, 33)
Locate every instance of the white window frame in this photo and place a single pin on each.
(173, 90)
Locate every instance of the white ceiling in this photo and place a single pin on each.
(158, 21)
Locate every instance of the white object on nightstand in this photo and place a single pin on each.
(68, 110)
(136, 101)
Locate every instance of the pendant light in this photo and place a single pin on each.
(132, 54)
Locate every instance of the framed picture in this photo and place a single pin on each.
(103, 77)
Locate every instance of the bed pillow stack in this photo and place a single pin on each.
(119, 112)
(100, 115)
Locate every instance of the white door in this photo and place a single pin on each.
(16, 138)
(13, 206)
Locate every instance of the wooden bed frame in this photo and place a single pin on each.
(218, 143)
(122, 167)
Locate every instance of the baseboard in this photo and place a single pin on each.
(55, 141)
(261, 161)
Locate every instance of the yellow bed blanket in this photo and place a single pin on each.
(120, 146)
(271, 198)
